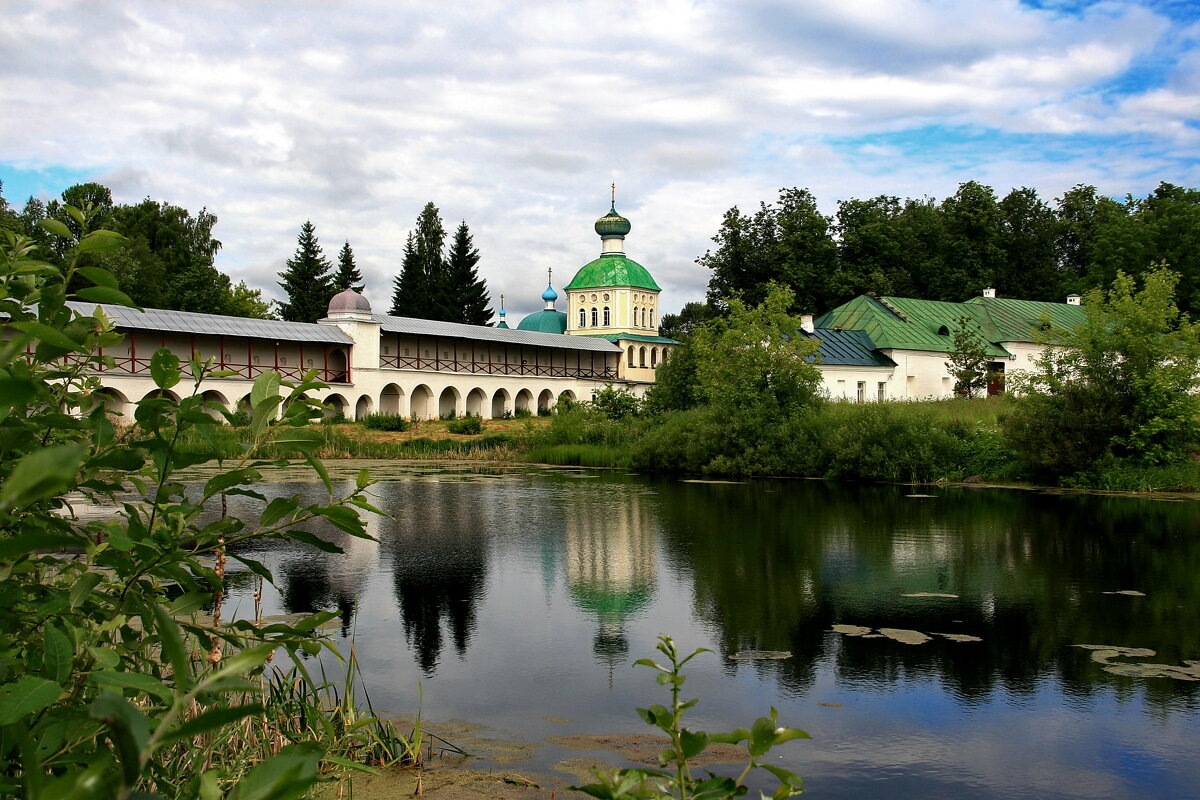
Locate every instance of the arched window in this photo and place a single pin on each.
(595, 317)
(582, 318)
(643, 317)
(631, 355)
(653, 357)
(652, 318)
(607, 321)
(635, 313)
(643, 357)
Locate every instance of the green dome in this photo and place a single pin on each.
(612, 269)
(544, 321)
(612, 224)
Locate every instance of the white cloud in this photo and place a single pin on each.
(517, 117)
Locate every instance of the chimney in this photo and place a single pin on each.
(806, 323)
(989, 292)
(1072, 299)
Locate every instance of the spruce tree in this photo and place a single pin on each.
(306, 281)
(348, 276)
(466, 291)
(409, 286)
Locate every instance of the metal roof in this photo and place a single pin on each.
(483, 333)
(1008, 320)
(633, 337)
(905, 323)
(161, 319)
(847, 348)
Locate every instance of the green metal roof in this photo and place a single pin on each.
(846, 348)
(904, 323)
(632, 337)
(544, 321)
(612, 269)
(1008, 320)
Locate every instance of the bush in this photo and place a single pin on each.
(616, 403)
(386, 422)
(467, 425)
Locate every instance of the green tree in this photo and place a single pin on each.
(347, 275)
(1122, 387)
(971, 253)
(465, 294)
(247, 302)
(420, 287)
(1028, 236)
(873, 249)
(306, 281)
(752, 361)
(680, 326)
(969, 361)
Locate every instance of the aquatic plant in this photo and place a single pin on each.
(685, 745)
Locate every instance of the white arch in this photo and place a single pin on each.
(422, 402)
(545, 401)
(566, 394)
(448, 402)
(500, 404)
(642, 357)
(524, 400)
(213, 396)
(390, 399)
(475, 401)
(335, 406)
(363, 407)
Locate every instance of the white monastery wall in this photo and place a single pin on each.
(924, 374)
(859, 384)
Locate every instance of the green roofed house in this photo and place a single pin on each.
(917, 335)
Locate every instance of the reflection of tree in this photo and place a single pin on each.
(610, 559)
(774, 570)
(439, 561)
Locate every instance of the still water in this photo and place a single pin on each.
(519, 599)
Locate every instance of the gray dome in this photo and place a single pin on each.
(348, 300)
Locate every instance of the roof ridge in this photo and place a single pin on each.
(890, 306)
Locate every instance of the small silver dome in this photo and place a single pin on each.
(348, 300)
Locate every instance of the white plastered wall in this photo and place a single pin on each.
(842, 382)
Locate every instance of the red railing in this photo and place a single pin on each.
(136, 365)
(493, 368)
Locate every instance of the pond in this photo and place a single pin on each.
(518, 599)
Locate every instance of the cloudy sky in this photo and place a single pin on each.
(517, 116)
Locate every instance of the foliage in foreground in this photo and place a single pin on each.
(676, 778)
(112, 681)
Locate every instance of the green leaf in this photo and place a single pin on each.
(128, 729)
(41, 474)
(319, 468)
(44, 333)
(173, 647)
(82, 588)
(98, 276)
(227, 480)
(100, 242)
(302, 440)
(314, 540)
(287, 776)
(277, 509)
(248, 659)
(57, 654)
(56, 227)
(16, 392)
(26, 696)
(14, 546)
(105, 658)
(345, 519)
(787, 780)
(692, 742)
(211, 720)
(265, 388)
(189, 602)
(136, 681)
(105, 294)
(164, 368)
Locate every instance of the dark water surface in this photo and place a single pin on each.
(521, 595)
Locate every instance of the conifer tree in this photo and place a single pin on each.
(466, 293)
(409, 286)
(348, 276)
(306, 281)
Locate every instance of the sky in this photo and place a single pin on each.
(517, 117)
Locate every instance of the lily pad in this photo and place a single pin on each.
(1103, 654)
(1128, 593)
(851, 630)
(905, 636)
(921, 495)
(830, 705)
(928, 594)
(700, 480)
(761, 655)
(959, 637)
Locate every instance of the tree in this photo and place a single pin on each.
(421, 285)
(969, 360)
(306, 281)
(1120, 388)
(971, 249)
(465, 294)
(872, 249)
(680, 326)
(1028, 232)
(751, 360)
(347, 276)
(247, 302)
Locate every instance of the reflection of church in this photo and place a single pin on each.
(611, 564)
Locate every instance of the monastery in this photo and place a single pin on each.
(871, 348)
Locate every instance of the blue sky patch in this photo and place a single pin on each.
(47, 183)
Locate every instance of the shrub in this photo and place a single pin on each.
(467, 425)
(386, 422)
(615, 403)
